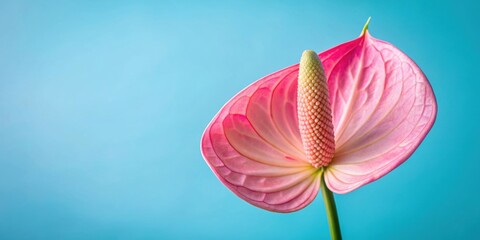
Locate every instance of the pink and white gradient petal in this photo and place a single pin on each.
(383, 108)
(253, 146)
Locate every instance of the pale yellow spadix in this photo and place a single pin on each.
(314, 113)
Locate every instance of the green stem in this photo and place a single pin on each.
(331, 211)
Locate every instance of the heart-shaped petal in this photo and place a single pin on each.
(382, 108)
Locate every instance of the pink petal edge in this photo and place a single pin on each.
(256, 149)
(383, 108)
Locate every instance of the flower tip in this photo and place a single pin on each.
(309, 59)
(365, 27)
(309, 54)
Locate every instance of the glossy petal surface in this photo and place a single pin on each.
(383, 106)
(254, 147)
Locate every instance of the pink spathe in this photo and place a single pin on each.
(382, 106)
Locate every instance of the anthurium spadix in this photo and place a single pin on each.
(346, 116)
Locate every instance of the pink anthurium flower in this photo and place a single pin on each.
(351, 114)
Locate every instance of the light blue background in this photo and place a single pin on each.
(102, 105)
